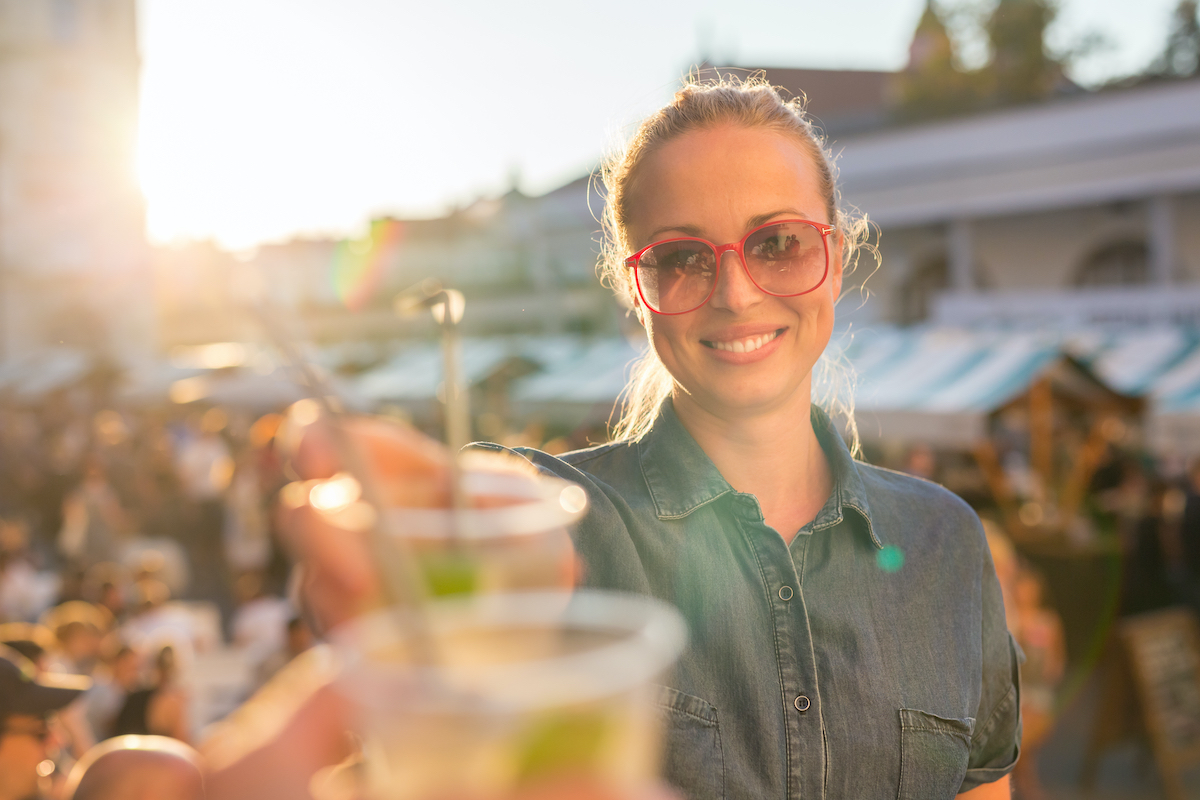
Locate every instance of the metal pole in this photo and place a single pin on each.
(457, 399)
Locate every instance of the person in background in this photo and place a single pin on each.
(247, 536)
(205, 467)
(34, 642)
(38, 644)
(157, 621)
(299, 639)
(28, 701)
(1039, 632)
(1145, 579)
(137, 768)
(78, 646)
(115, 679)
(26, 590)
(258, 624)
(95, 525)
(112, 599)
(921, 461)
(1189, 529)
(161, 708)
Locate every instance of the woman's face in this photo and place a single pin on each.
(718, 184)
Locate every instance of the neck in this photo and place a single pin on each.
(773, 454)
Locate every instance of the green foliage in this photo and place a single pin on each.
(1180, 57)
(934, 85)
(1019, 69)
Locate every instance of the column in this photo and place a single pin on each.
(960, 255)
(1160, 212)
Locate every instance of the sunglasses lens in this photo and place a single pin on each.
(785, 259)
(677, 276)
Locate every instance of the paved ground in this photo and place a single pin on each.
(1125, 773)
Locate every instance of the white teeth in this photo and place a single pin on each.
(747, 345)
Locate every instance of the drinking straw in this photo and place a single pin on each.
(447, 307)
(400, 580)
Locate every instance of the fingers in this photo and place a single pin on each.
(313, 738)
(392, 451)
(403, 468)
(338, 577)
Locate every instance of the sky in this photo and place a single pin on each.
(262, 120)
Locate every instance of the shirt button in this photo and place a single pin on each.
(785, 593)
(802, 704)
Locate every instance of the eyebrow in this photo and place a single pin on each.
(751, 224)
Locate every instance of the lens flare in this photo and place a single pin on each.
(359, 266)
(336, 493)
(890, 559)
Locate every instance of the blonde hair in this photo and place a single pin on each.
(754, 103)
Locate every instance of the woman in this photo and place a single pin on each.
(160, 708)
(847, 628)
(848, 636)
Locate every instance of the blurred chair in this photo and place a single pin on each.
(137, 768)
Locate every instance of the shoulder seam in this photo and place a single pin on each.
(594, 453)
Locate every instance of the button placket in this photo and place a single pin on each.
(780, 566)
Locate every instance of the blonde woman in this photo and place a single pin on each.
(848, 632)
(848, 637)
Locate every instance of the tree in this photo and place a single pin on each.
(934, 84)
(1180, 57)
(1021, 69)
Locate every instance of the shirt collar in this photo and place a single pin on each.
(682, 478)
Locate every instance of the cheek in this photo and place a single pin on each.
(664, 333)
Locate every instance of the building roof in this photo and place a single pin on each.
(838, 99)
(1080, 150)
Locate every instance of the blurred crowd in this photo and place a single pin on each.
(1138, 527)
(140, 550)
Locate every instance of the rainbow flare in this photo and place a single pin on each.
(359, 265)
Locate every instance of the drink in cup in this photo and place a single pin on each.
(522, 690)
(512, 534)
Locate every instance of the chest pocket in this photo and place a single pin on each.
(693, 760)
(933, 755)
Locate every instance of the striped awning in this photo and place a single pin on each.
(415, 372)
(938, 385)
(932, 384)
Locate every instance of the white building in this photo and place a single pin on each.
(73, 266)
(1077, 211)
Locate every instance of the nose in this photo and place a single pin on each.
(734, 290)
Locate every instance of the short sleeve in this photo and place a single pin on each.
(996, 742)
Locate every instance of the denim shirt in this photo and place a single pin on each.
(867, 659)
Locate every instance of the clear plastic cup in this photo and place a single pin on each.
(512, 536)
(528, 689)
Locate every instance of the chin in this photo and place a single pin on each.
(747, 400)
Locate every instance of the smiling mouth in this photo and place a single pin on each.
(746, 345)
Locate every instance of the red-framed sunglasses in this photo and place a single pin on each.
(784, 259)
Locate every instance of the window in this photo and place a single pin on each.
(915, 299)
(1118, 264)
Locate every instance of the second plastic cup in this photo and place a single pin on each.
(524, 690)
